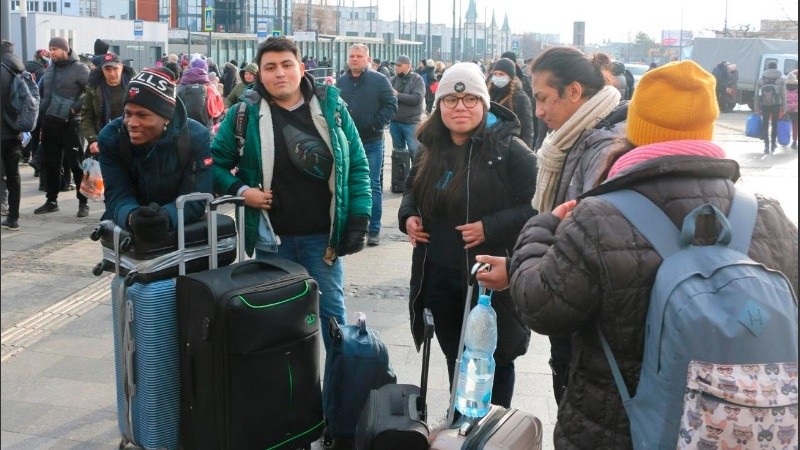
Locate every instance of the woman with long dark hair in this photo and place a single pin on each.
(470, 193)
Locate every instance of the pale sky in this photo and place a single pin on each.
(611, 19)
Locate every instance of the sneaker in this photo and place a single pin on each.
(48, 207)
(4, 209)
(71, 186)
(10, 224)
(83, 210)
(373, 239)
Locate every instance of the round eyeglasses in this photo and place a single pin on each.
(469, 101)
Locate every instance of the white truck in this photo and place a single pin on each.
(751, 56)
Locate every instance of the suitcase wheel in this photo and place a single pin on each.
(130, 278)
(98, 269)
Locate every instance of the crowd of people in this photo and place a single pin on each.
(501, 156)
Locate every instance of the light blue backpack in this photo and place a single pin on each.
(714, 307)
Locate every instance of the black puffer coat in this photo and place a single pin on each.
(601, 269)
(503, 204)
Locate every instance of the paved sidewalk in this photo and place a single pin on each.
(57, 344)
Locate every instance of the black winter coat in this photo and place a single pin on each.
(595, 267)
(16, 65)
(503, 204)
(67, 79)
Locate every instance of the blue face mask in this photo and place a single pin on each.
(500, 82)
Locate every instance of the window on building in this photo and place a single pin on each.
(67, 4)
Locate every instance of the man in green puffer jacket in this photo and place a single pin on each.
(302, 172)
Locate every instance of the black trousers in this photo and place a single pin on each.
(10, 150)
(769, 118)
(444, 291)
(61, 144)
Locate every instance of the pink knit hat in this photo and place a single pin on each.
(668, 148)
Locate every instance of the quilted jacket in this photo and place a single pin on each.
(594, 266)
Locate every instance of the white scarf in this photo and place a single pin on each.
(558, 143)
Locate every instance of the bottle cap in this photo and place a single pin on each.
(484, 299)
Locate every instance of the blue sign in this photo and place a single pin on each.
(138, 28)
(515, 45)
(261, 29)
(209, 19)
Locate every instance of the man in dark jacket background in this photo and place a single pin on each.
(409, 88)
(372, 104)
(230, 77)
(36, 66)
(61, 90)
(10, 145)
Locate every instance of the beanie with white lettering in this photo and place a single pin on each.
(154, 89)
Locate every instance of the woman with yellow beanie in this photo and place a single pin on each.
(586, 266)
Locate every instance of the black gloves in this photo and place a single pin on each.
(356, 236)
(150, 223)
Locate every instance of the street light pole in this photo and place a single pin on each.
(453, 38)
(23, 26)
(725, 26)
(430, 52)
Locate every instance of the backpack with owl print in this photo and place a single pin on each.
(719, 369)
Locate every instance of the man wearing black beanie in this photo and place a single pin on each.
(142, 173)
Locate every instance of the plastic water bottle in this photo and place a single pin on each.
(476, 374)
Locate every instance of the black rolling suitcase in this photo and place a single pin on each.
(250, 348)
(401, 166)
(153, 261)
(395, 417)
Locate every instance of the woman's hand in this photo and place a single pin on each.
(415, 231)
(495, 277)
(257, 198)
(564, 209)
(472, 233)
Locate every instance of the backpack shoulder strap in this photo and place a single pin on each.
(241, 126)
(648, 219)
(742, 217)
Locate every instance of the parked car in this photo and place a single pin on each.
(637, 70)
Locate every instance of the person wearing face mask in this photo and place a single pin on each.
(506, 89)
(141, 188)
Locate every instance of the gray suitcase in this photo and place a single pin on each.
(501, 428)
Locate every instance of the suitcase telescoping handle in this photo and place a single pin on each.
(477, 267)
(180, 203)
(238, 202)
(427, 318)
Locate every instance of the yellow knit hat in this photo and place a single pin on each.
(673, 102)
